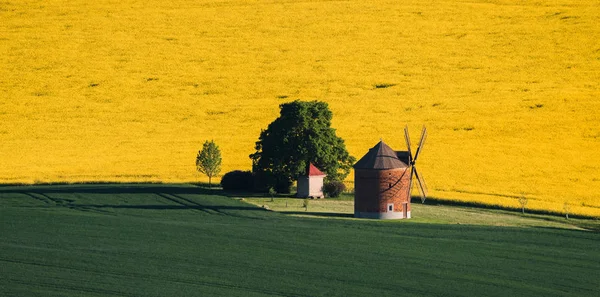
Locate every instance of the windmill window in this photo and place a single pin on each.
(390, 185)
(390, 207)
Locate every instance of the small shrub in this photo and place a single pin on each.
(334, 188)
(272, 193)
(536, 106)
(384, 85)
(237, 180)
(467, 128)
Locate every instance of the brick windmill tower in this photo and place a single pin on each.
(383, 181)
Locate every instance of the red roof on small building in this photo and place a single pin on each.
(314, 171)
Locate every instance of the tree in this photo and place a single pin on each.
(567, 209)
(272, 193)
(523, 201)
(301, 134)
(305, 203)
(208, 160)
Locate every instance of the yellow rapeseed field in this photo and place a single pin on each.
(129, 90)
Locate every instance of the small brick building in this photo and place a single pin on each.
(382, 184)
(311, 184)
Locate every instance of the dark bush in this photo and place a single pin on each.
(334, 188)
(263, 181)
(260, 182)
(237, 180)
(283, 185)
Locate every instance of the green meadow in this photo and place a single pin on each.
(183, 240)
(128, 91)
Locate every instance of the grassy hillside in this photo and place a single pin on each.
(171, 240)
(436, 212)
(129, 90)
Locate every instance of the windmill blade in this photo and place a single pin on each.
(422, 186)
(420, 147)
(410, 182)
(407, 138)
(403, 173)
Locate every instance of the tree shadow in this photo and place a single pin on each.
(134, 188)
(320, 214)
(479, 205)
(168, 207)
(114, 188)
(585, 229)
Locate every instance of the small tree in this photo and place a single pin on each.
(272, 192)
(523, 202)
(305, 204)
(208, 160)
(567, 209)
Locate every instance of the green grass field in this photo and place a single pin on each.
(433, 211)
(181, 240)
(128, 91)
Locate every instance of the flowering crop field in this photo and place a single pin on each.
(129, 90)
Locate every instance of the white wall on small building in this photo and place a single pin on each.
(315, 186)
(310, 186)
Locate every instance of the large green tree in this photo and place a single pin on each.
(301, 134)
(208, 160)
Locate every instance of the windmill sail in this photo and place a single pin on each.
(407, 138)
(422, 187)
(412, 160)
(423, 136)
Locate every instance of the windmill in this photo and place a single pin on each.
(412, 164)
(383, 181)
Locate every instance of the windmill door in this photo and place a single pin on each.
(404, 210)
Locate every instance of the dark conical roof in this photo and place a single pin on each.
(381, 156)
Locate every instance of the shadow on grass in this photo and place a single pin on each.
(174, 207)
(320, 214)
(114, 188)
(441, 201)
(587, 229)
(133, 188)
(204, 189)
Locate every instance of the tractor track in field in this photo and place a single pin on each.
(185, 202)
(213, 210)
(89, 209)
(177, 199)
(44, 199)
(216, 210)
(56, 201)
(68, 203)
(49, 200)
